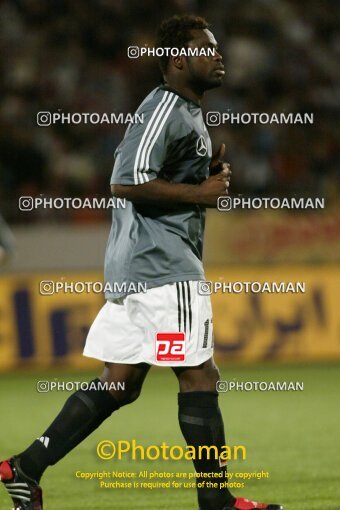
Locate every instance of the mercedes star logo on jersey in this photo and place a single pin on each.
(201, 146)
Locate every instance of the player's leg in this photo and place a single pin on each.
(112, 337)
(81, 414)
(199, 414)
(201, 424)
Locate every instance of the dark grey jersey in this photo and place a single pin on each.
(158, 244)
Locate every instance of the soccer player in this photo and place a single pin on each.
(165, 170)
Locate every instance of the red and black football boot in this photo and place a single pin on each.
(247, 504)
(25, 492)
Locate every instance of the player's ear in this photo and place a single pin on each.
(178, 61)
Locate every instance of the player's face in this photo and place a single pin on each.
(204, 72)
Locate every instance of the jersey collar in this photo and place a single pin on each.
(166, 87)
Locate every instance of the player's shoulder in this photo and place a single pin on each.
(161, 111)
(162, 101)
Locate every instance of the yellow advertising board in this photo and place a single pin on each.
(45, 329)
(285, 326)
(49, 329)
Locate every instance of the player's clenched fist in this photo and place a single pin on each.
(218, 183)
(215, 186)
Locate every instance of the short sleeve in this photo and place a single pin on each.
(141, 155)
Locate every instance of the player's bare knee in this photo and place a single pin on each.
(202, 380)
(126, 397)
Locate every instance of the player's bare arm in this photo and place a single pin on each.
(159, 190)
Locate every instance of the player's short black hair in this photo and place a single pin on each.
(174, 32)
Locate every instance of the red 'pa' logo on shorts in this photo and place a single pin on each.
(170, 346)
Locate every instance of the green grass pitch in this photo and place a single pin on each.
(292, 435)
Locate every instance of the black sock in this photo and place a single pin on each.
(201, 424)
(82, 413)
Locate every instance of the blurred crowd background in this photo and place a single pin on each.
(71, 55)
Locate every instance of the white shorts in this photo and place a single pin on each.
(166, 326)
